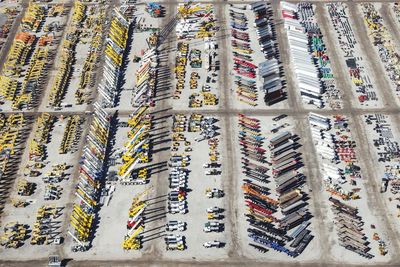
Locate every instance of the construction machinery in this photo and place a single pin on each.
(93, 22)
(25, 188)
(14, 235)
(153, 39)
(43, 126)
(81, 221)
(8, 87)
(18, 53)
(195, 58)
(214, 216)
(52, 192)
(154, 9)
(54, 261)
(45, 40)
(214, 193)
(19, 203)
(44, 230)
(34, 16)
(136, 150)
(52, 27)
(133, 241)
(71, 135)
(174, 242)
(56, 174)
(135, 224)
(115, 47)
(382, 247)
(10, 134)
(91, 174)
(56, 10)
(79, 13)
(64, 68)
(336, 190)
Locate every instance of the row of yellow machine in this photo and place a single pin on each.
(41, 137)
(33, 18)
(88, 189)
(196, 100)
(11, 129)
(87, 21)
(71, 133)
(114, 57)
(31, 46)
(180, 68)
(95, 28)
(11, 13)
(193, 82)
(135, 224)
(67, 56)
(197, 21)
(91, 180)
(45, 228)
(136, 150)
(118, 35)
(18, 53)
(36, 157)
(14, 233)
(17, 57)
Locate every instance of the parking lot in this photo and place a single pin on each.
(213, 133)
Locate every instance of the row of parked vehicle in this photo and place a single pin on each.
(177, 200)
(269, 70)
(286, 162)
(336, 150)
(349, 225)
(178, 181)
(320, 56)
(244, 67)
(179, 173)
(272, 218)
